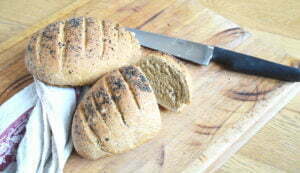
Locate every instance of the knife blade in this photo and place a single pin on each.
(203, 54)
(187, 50)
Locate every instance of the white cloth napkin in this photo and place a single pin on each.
(47, 142)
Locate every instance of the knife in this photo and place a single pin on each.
(203, 54)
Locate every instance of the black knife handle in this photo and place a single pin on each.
(254, 66)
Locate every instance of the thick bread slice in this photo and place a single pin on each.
(117, 114)
(168, 78)
(78, 51)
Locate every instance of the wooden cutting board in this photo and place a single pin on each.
(227, 108)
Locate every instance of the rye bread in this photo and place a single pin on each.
(169, 79)
(118, 113)
(77, 51)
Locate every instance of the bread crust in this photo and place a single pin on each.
(77, 51)
(117, 114)
(171, 66)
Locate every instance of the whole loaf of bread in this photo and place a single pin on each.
(78, 51)
(117, 114)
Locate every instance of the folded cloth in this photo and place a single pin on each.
(14, 115)
(47, 143)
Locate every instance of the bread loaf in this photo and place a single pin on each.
(169, 79)
(78, 51)
(117, 114)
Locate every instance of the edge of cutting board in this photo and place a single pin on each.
(290, 90)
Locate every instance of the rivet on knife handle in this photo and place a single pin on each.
(254, 66)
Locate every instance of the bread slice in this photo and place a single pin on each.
(77, 51)
(169, 80)
(117, 114)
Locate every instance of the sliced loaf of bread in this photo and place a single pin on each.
(118, 113)
(169, 79)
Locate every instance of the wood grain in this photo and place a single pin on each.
(240, 163)
(22, 15)
(22, 36)
(279, 16)
(150, 16)
(279, 148)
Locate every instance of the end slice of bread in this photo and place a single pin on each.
(169, 80)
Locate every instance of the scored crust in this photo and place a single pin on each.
(78, 51)
(117, 114)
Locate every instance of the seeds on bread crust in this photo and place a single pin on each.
(132, 74)
(117, 114)
(78, 51)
